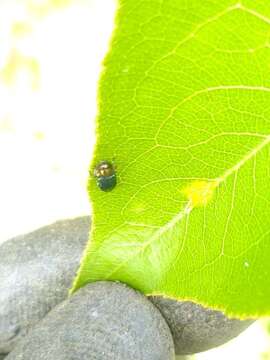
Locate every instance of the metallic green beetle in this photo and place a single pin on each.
(106, 175)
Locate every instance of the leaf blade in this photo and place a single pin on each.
(189, 132)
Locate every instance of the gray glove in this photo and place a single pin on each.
(102, 321)
(37, 269)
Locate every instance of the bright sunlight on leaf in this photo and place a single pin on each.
(184, 114)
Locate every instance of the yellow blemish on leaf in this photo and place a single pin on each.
(138, 208)
(200, 192)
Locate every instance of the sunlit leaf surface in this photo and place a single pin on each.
(184, 114)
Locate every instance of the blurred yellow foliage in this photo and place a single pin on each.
(39, 135)
(18, 62)
(6, 125)
(43, 8)
(20, 28)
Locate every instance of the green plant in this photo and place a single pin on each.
(184, 115)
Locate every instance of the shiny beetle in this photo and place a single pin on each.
(106, 176)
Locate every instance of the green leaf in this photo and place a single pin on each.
(184, 113)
